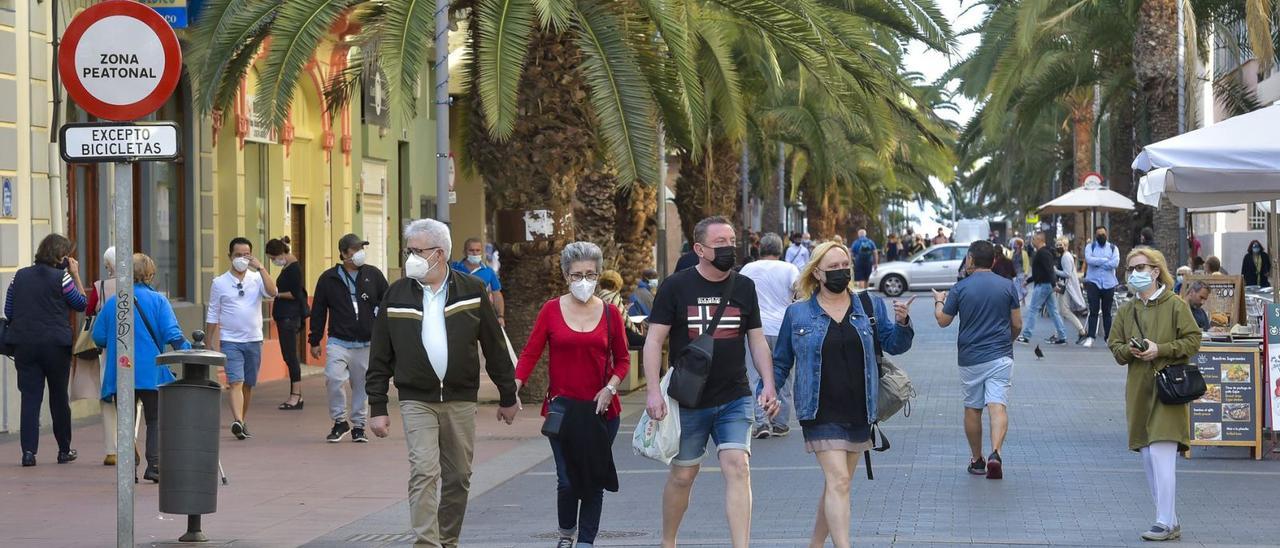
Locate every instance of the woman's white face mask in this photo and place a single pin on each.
(582, 289)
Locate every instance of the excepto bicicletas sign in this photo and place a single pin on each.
(119, 60)
(119, 142)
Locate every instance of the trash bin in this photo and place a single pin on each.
(189, 415)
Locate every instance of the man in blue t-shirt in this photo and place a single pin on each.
(865, 259)
(987, 305)
(473, 263)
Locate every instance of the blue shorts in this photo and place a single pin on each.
(987, 383)
(243, 362)
(728, 425)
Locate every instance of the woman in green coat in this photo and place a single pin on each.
(1163, 322)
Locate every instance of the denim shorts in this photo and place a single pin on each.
(243, 362)
(986, 383)
(728, 425)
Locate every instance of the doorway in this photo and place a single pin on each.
(298, 245)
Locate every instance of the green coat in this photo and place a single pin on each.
(1168, 322)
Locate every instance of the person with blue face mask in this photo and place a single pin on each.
(1153, 331)
(1256, 266)
(475, 264)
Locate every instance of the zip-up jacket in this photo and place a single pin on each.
(331, 302)
(398, 352)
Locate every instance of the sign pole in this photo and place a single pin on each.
(122, 179)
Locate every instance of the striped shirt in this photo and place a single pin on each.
(70, 293)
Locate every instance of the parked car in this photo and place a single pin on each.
(933, 268)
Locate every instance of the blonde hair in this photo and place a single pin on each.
(1063, 241)
(806, 284)
(144, 269)
(1156, 259)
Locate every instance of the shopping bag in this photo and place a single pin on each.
(86, 380)
(659, 440)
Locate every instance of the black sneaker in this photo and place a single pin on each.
(237, 430)
(357, 435)
(977, 466)
(1055, 341)
(1023, 340)
(339, 431)
(565, 543)
(67, 456)
(995, 466)
(761, 431)
(245, 427)
(1080, 340)
(780, 431)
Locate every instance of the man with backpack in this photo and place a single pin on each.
(987, 305)
(865, 259)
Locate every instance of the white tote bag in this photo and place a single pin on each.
(659, 440)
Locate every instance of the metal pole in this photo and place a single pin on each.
(662, 202)
(442, 101)
(782, 189)
(59, 216)
(122, 179)
(744, 176)
(1182, 126)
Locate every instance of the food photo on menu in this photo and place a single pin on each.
(1235, 412)
(1212, 394)
(1235, 373)
(1208, 431)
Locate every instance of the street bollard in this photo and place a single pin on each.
(189, 414)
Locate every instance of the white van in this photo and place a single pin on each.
(971, 230)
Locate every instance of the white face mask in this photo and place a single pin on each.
(475, 259)
(358, 259)
(582, 290)
(278, 261)
(417, 268)
(653, 282)
(241, 264)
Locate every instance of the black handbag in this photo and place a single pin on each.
(6, 349)
(692, 366)
(1177, 384)
(557, 406)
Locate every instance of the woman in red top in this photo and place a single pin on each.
(589, 358)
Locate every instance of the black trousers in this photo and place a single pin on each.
(39, 365)
(288, 329)
(151, 413)
(1100, 303)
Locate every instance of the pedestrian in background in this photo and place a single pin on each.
(97, 296)
(1070, 296)
(39, 302)
(893, 248)
(1003, 266)
(866, 259)
(1021, 266)
(1102, 258)
(1256, 266)
(775, 282)
(433, 359)
(1042, 298)
(941, 238)
(1213, 267)
(642, 297)
(1197, 294)
(798, 253)
(289, 312)
(348, 297)
(830, 340)
(474, 264)
(1147, 238)
(1168, 335)
(1180, 278)
(588, 360)
(609, 289)
(987, 305)
(234, 326)
(155, 326)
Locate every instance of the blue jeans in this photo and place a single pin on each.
(784, 395)
(728, 425)
(1042, 299)
(582, 514)
(243, 362)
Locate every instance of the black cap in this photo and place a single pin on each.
(350, 241)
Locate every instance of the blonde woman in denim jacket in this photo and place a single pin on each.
(828, 340)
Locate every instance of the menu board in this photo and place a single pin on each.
(1272, 384)
(1230, 411)
(1225, 303)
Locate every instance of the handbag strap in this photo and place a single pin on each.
(724, 303)
(147, 323)
(608, 349)
(869, 309)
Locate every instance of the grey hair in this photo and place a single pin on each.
(1197, 286)
(771, 245)
(436, 232)
(109, 258)
(700, 229)
(581, 251)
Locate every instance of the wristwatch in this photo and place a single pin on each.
(611, 389)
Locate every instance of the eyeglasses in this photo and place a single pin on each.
(419, 252)
(578, 276)
(240, 286)
(1139, 268)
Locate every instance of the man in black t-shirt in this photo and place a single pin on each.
(1042, 280)
(683, 308)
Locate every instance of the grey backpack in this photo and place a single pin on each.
(895, 386)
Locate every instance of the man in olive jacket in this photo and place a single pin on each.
(425, 337)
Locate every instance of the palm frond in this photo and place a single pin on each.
(297, 31)
(502, 43)
(224, 44)
(406, 32)
(554, 15)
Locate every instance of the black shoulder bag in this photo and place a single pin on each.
(1176, 384)
(869, 309)
(557, 406)
(692, 366)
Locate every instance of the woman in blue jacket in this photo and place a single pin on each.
(830, 341)
(154, 325)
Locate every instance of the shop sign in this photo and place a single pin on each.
(173, 11)
(259, 132)
(6, 197)
(1272, 385)
(119, 142)
(1226, 296)
(1230, 412)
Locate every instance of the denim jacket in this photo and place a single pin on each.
(804, 327)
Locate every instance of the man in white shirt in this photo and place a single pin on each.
(775, 289)
(234, 325)
(798, 253)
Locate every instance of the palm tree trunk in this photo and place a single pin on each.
(708, 186)
(1080, 104)
(772, 219)
(823, 213)
(1121, 175)
(1155, 66)
(636, 232)
(539, 168)
(596, 215)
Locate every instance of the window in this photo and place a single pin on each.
(939, 254)
(1257, 218)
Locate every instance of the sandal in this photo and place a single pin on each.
(286, 406)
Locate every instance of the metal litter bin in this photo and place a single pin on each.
(189, 416)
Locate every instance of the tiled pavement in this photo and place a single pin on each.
(1069, 478)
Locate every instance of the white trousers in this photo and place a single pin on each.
(1160, 460)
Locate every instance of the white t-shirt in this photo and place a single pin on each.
(239, 317)
(775, 281)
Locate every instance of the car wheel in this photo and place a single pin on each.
(893, 285)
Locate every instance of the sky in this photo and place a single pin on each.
(932, 65)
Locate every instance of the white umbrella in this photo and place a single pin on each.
(1234, 161)
(1088, 198)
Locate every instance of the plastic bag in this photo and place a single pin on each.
(659, 440)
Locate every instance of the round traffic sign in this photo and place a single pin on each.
(119, 60)
(1091, 179)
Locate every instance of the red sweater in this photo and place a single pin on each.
(577, 359)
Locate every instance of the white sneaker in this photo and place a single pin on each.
(1088, 343)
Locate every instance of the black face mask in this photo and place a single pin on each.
(1257, 250)
(726, 257)
(838, 280)
(1101, 239)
